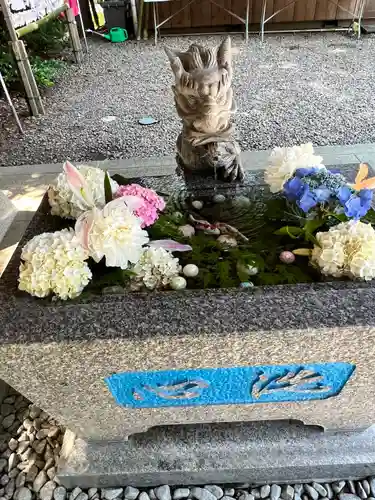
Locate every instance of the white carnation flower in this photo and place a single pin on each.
(347, 249)
(54, 263)
(283, 162)
(66, 203)
(114, 233)
(155, 269)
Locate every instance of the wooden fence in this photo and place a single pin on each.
(203, 14)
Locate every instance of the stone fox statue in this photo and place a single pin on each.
(204, 101)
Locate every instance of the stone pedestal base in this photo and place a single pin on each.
(255, 453)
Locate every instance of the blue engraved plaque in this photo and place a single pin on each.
(235, 385)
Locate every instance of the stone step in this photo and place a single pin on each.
(262, 452)
(7, 213)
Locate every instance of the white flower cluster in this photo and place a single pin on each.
(114, 233)
(54, 263)
(283, 162)
(65, 203)
(155, 269)
(347, 249)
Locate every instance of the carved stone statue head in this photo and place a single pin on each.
(204, 101)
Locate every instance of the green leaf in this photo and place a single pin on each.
(312, 225)
(242, 275)
(370, 217)
(339, 217)
(107, 188)
(120, 179)
(291, 231)
(310, 237)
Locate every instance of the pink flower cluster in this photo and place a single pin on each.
(153, 203)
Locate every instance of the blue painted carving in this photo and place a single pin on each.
(236, 385)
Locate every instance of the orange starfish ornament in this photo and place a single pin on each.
(361, 180)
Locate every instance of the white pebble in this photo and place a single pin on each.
(39, 481)
(131, 493)
(252, 270)
(202, 494)
(4, 479)
(13, 473)
(181, 493)
(242, 201)
(22, 493)
(82, 496)
(265, 491)
(187, 230)
(8, 421)
(60, 493)
(31, 473)
(91, 492)
(247, 269)
(178, 283)
(111, 493)
(197, 204)
(74, 493)
(9, 488)
(46, 492)
(214, 230)
(226, 240)
(213, 488)
(219, 198)
(13, 461)
(20, 480)
(10, 400)
(34, 411)
(190, 270)
(163, 492)
(51, 473)
(27, 424)
(43, 433)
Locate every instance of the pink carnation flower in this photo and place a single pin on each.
(153, 203)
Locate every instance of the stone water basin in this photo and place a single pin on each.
(110, 365)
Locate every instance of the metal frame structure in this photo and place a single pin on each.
(158, 25)
(14, 112)
(360, 6)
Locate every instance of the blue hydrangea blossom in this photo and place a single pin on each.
(316, 187)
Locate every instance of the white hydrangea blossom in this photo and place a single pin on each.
(155, 269)
(65, 203)
(283, 162)
(347, 249)
(114, 233)
(54, 263)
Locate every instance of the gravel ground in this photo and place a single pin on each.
(293, 88)
(30, 444)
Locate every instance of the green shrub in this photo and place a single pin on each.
(50, 39)
(45, 70)
(43, 46)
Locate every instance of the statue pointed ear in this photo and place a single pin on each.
(176, 63)
(224, 54)
(170, 53)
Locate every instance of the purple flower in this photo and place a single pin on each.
(293, 188)
(343, 194)
(307, 200)
(304, 172)
(356, 205)
(322, 194)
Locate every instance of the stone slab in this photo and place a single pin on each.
(256, 453)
